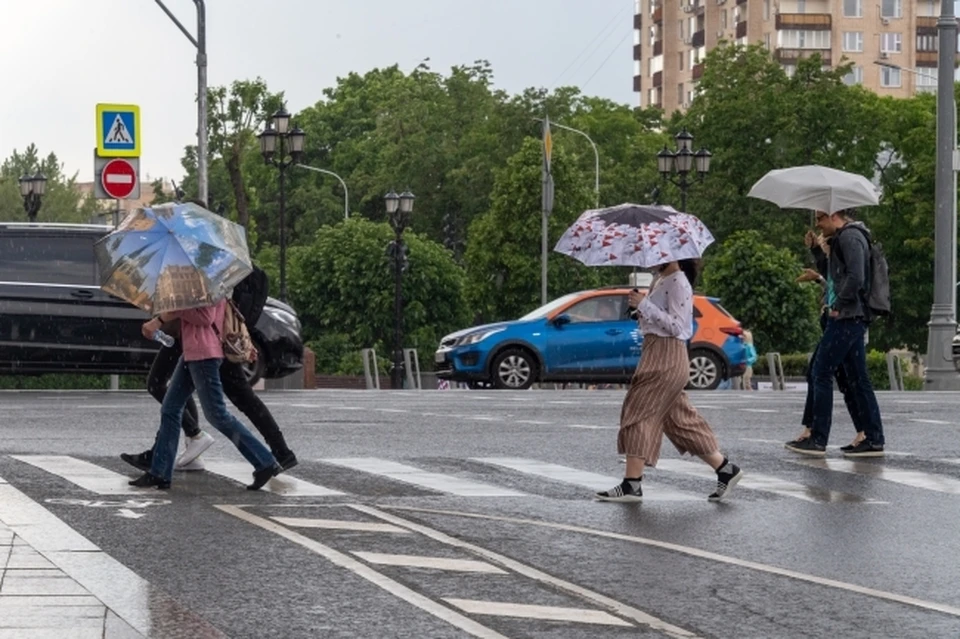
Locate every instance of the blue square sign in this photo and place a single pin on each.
(118, 130)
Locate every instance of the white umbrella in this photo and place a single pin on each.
(815, 187)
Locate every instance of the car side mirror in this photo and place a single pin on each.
(561, 319)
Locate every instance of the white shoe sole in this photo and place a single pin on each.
(730, 485)
(808, 453)
(625, 499)
(195, 465)
(194, 449)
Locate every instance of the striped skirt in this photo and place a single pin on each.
(656, 405)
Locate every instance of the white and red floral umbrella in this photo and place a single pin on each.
(634, 235)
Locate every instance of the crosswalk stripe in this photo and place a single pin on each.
(83, 474)
(425, 479)
(340, 524)
(912, 478)
(285, 485)
(765, 483)
(436, 563)
(526, 611)
(583, 478)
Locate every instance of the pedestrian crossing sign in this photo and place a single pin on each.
(118, 131)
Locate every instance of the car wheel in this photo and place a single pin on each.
(514, 369)
(705, 370)
(255, 371)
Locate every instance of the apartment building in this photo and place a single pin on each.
(672, 38)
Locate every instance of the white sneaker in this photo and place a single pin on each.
(196, 464)
(195, 447)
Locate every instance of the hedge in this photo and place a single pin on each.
(795, 365)
(70, 382)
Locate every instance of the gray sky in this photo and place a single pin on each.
(59, 58)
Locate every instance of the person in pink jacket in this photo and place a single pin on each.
(199, 370)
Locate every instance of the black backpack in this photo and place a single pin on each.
(250, 296)
(876, 297)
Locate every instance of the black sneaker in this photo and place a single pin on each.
(727, 477)
(856, 442)
(262, 476)
(623, 492)
(807, 447)
(143, 461)
(150, 481)
(864, 449)
(801, 438)
(286, 460)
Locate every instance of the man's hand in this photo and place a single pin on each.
(809, 239)
(150, 327)
(824, 244)
(834, 314)
(808, 275)
(635, 298)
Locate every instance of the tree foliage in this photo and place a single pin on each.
(755, 282)
(62, 201)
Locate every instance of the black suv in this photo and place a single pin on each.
(54, 318)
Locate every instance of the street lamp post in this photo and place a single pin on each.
(346, 193)
(200, 43)
(682, 162)
(596, 158)
(399, 207)
(32, 188)
(282, 146)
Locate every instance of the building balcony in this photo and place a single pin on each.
(804, 21)
(739, 2)
(742, 29)
(697, 71)
(638, 52)
(791, 56)
(637, 84)
(658, 15)
(658, 79)
(658, 48)
(637, 21)
(927, 58)
(698, 38)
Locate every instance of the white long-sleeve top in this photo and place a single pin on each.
(667, 310)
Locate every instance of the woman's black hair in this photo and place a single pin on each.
(690, 268)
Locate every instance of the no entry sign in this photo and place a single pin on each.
(119, 178)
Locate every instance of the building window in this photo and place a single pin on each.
(723, 19)
(766, 41)
(852, 8)
(853, 41)
(795, 39)
(891, 8)
(790, 69)
(766, 10)
(891, 42)
(854, 77)
(927, 81)
(680, 94)
(680, 55)
(801, 6)
(927, 43)
(889, 77)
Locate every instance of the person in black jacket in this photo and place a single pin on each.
(250, 296)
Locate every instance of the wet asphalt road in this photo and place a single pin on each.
(503, 481)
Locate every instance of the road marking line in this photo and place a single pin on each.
(548, 613)
(583, 478)
(480, 418)
(535, 422)
(362, 570)
(759, 410)
(702, 554)
(285, 484)
(437, 563)
(765, 483)
(912, 478)
(931, 421)
(612, 605)
(83, 474)
(950, 461)
(434, 481)
(339, 524)
(590, 427)
(391, 410)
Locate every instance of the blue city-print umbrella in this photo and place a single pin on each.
(173, 257)
(634, 235)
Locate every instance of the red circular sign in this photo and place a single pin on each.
(118, 179)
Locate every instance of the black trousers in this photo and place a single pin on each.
(235, 387)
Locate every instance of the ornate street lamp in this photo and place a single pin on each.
(682, 163)
(281, 147)
(399, 208)
(32, 188)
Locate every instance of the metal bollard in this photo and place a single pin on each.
(410, 359)
(370, 362)
(777, 379)
(895, 371)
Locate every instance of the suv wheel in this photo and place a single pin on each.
(705, 370)
(514, 369)
(256, 370)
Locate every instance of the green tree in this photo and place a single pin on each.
(756, 283)
(62, 201)
(503, 249)
(342, 287)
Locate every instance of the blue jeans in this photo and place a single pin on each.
(841, 375)
(204, 377)
(842, 347)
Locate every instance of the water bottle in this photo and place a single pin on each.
(163, 338)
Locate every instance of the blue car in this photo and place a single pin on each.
(584, 337)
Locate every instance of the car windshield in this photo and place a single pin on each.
(548, 308)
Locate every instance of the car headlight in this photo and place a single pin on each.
(479, 336)
(283, 316)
